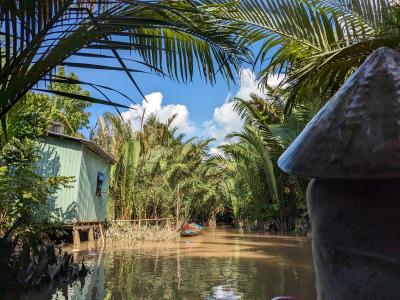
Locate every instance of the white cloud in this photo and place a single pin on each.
(216, 151)
(225, 120)
(248, 85)
(162, 112)
(275, 80)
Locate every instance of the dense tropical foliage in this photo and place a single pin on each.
(23, 192)
(159, 173)
(25, 250)
(163, 174)
(261, 195)
(316, 45)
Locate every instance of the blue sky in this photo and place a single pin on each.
(203, 109)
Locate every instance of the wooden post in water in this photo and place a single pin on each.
(91, 234)
(76, 237)
(352, 150)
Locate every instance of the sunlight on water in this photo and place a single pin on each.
(219, 264)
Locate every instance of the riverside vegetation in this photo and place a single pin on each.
(25, 229)
(161, 174)
(131, 232)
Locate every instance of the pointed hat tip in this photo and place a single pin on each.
(357, 133)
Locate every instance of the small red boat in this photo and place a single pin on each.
(188, 230)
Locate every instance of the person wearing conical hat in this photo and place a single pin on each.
(351, 150)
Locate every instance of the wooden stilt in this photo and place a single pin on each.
(76, 237)
(91, 234)
(101, 232)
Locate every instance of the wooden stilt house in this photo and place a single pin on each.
(85, 202)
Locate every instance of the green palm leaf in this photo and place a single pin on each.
(172, 38)
(316, 44)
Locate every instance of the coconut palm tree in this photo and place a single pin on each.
(260, 190)
(159, 173)
(169, 38)
(317, 45)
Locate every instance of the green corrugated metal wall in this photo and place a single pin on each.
(64, 157)
(90, 206)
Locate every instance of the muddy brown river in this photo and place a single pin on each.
(220, 264)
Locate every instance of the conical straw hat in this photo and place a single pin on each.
(357, 133)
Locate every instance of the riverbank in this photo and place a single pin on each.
(134, 232)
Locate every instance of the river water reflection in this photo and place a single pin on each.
(219, 264)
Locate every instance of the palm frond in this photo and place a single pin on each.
(170, 38)
(316, 44)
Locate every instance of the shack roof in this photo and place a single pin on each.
(88, 143)
(357, 133)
